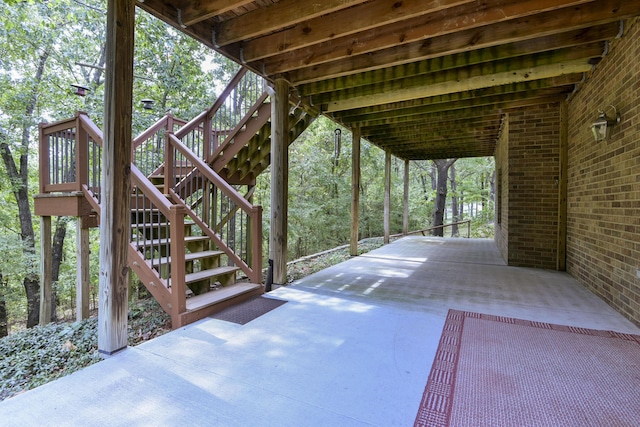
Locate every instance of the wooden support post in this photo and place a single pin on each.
(279, 180)
(116, 178)
(82, 269)
(405, 217)
(562, 190)
(387, 195)
(355, 191)
(46, 273)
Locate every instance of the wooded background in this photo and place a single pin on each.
(47, 46)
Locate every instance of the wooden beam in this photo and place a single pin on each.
(525, 89)
(82, 269)
(116, 178)
(46, 272)
(584, 52)
(468, 57)
(411, 140)
(462, 81)
(197, 11)
(274, 17)
(279, 180)
(510, 100)
(491, 35)
(467, 17)
(355, 191)
(367, 16)
(387, 196)
(561, 262)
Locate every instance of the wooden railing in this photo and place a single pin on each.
(65, 154)
(148, 147)
(229, 113)
(71, 161)
(423, 231)
(234, 224)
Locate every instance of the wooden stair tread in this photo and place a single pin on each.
(220, 295)
(187, 239)
(156, 224)
(210, 273)
(192, 256)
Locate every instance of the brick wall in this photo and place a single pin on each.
(603, 200)
(533, 169)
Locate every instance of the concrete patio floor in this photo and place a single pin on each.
(353, 346)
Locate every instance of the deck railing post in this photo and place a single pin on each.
(82, 152)
(178, 270)
(44, 158)
(169, 172)
(256, 244)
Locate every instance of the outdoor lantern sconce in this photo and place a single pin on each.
(147, 104)
(79, 90)
(601, 128)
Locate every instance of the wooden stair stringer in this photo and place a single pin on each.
(151, 279)
(255, 157)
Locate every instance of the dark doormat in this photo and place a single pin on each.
(245, 312)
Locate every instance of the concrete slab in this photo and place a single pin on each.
(353, 346)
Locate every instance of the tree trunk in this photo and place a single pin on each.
(4, 321)
(482, 187)
(454, 201)
(442, 167)
(20, 180)
(56, 260)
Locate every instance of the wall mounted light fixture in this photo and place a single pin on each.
(601, 128)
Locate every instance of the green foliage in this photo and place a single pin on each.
(36, 356)
(41, 354)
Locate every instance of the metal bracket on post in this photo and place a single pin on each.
(269, 282)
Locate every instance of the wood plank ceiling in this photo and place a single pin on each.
(424, 79)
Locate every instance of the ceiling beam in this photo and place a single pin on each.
(579, 53)
(434, 118)
(420, 128)
(197, 11)
(462, 80)
(422, 29)
(491, 35)
(513, 100)
(531, 87)
(469, 57)
(275, 17)
(362, 17)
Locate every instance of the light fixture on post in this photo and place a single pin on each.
(147, 104)
(79, 90)
(601, 128)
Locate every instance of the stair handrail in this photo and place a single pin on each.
(253, 271)
(168, 295)
(195, 122)
(229, 140)
(151, 161)
(226, 117)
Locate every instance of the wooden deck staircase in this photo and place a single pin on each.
(196, 241)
